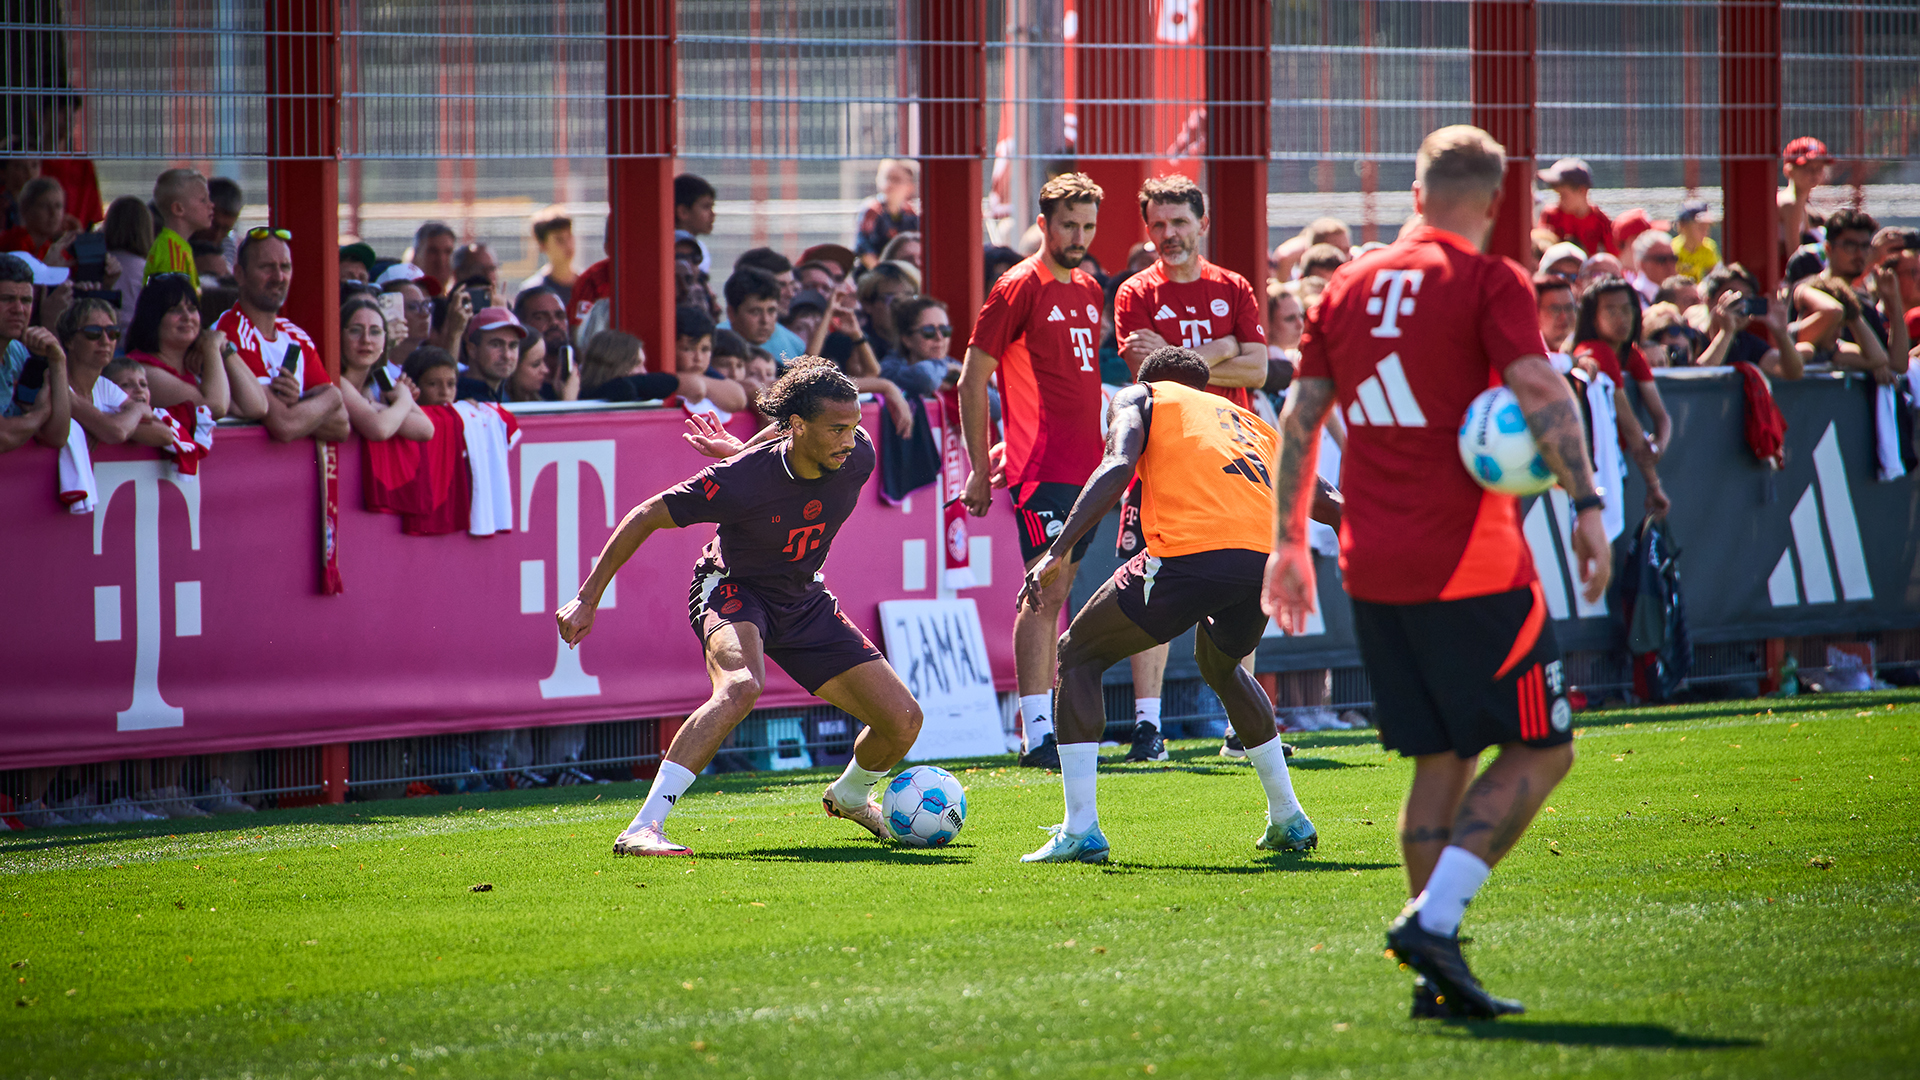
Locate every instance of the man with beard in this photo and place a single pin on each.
(302, 401)
(1039, 330)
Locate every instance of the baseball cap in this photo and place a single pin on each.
(360, 252)
(1696, 210)
(1803, 150)
(1568, 170)
(1632, 224)
(495, 318)
(837, 254)
(1565, 249)
(808, 298)
(405, 271)
(42, 273)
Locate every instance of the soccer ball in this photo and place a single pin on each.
(924, 806)
(1497, 448)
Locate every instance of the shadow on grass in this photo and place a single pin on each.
(1272, 864)
(1720, 710)
(1573, 1033)
(849, 853)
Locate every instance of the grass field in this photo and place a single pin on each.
(1727, 890)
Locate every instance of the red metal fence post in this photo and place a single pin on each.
(642, 137)
(1750, 135)
(1113, 71)
(335, 771)
(953, 140)
(1503, 36)
(303, 170)
(1239, 114)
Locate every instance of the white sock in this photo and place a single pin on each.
(1270, 765)
(1079, 767)
(855, 786)
(1456, 877)
(1036, 715)
(1147, 709)
(671, 782)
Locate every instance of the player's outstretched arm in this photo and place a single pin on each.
(1126, 438)
(975, 372)
(576, 616)
(1554, 419)
(705, 434)
(1288, 591)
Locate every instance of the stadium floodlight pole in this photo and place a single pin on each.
(643, 58)
(1239, 113)
(1503, 36)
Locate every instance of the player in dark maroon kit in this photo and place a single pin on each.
(757, 592)
(1039, 332)
(1452, 626)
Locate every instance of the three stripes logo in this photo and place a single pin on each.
(1384, 399)
(1821, 557)
(1553, 557)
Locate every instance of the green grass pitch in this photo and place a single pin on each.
(1723, 890)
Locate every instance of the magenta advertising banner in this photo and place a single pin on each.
(185, 616)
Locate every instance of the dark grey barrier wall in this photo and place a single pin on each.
(1818, 547)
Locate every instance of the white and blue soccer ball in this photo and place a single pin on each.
(924, 806)
(1497, 448)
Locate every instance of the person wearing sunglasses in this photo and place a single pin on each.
(302, 401)
(185, 363)
(922, 363)
(88, 332)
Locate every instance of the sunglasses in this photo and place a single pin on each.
(95, 333)
(261, 232)
(932, 333)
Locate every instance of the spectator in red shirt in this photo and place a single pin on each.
(302, 401)
(1573, 217)
(1606, 338)
(594, 283)
(43, 210)
(185, 364)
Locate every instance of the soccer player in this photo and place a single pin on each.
(1039, 330)
(1203, 464)
(1452, 626)
(757, 592)
(1182, 299)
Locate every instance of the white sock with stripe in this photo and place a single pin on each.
(671, 782)
(1036, 716)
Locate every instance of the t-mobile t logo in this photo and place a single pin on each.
(1083, 345)
(570, 460)
(1401, 286)
(803, 540)
(148, 709)
(1195, 332)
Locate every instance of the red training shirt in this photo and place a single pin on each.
(1609, 361)
(1410, 334)
(1046, 336)
(266, 358)
(1218, 304)
(1594, 232)
(594, 283)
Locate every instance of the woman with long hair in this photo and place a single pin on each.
(128, 231)
(184, 362)
(1607, 344)
(376, 414)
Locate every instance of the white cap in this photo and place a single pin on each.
(42, 273)
(400, 272)
(1565, 249)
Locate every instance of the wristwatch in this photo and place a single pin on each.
(1595, 501)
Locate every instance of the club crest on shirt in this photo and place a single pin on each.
(1093, 313)
(812, 510)
(1218, 307)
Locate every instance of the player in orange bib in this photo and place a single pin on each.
(1204, 464)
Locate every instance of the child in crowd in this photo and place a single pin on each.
(1575, 218)
(130, 376)
(761, 371)
(731, 347)
(432, 369)
(728, 367)
(693, 331)
(1697, 252)
(185, 208)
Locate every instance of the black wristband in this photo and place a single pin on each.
(1595, 501)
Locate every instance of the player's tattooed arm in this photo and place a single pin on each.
(1554, 419)
(1296, 473)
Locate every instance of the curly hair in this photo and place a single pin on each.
(1172, 363)
(809, 383)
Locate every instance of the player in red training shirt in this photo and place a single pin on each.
(1182, 300)
(1039, 331)
(757, 592)
(1451, 622)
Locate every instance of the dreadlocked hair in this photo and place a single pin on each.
(809, 383)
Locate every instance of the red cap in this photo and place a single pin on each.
(1632, 224)
(1804, 150)
(495, 318)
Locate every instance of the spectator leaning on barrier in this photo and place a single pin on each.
(43, 207)
(377, 413)
(301, 400)
(1607, 336)
(1665, 338)
(1846, 325)
(493, 350)
(1694, 247)
(88, 332)
(185, 207)
(1574, 217)
(34, 400)
(614, 368)
(553, 235)
(185, 364)
(922, 365)
(893, 209)
(1736, 336)
(693, 339)
(534, 379)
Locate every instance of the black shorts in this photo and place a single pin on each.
(1130, 541)
(1218, 590)
(1463, 675)
(1043, 513)
(810, 640)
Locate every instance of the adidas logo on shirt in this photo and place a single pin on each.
(1056, 316)
(1385, 399)
(1811, 549)
(1165, 312)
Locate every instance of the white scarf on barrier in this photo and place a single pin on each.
(1609, 472)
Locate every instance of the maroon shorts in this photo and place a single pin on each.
(810, 639)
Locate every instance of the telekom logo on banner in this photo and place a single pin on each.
(148, 710)
(569, 679)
